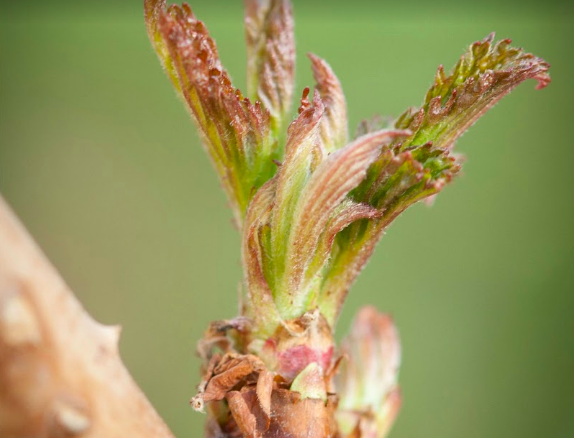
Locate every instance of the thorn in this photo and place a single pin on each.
(69, 417)
(111, 335)
(18, 323)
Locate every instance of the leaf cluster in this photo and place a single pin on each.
(312, 204)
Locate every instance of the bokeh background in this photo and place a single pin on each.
(101, 162)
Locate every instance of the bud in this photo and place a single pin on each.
(367, 382)
(311, 221)
(310, 383)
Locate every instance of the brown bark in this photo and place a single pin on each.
(60, 371)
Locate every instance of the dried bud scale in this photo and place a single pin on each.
(311, 207)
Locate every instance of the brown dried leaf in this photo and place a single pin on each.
(296, 417)
(241, 411)
(222, 335)
(264, 389)
(292, 416)
(229, 372)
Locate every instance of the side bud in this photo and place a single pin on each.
(367, 383)
(310, 383)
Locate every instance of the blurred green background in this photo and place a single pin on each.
(101, 162)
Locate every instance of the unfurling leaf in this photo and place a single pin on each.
(259, 305)
(270, 57)
(367, 381)
(418, 166)
(482, 76)
(334, 129)
(291, 226)
(235, 131)
(322, 210)
(153, 11)
(302, 154)
(394, 181)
